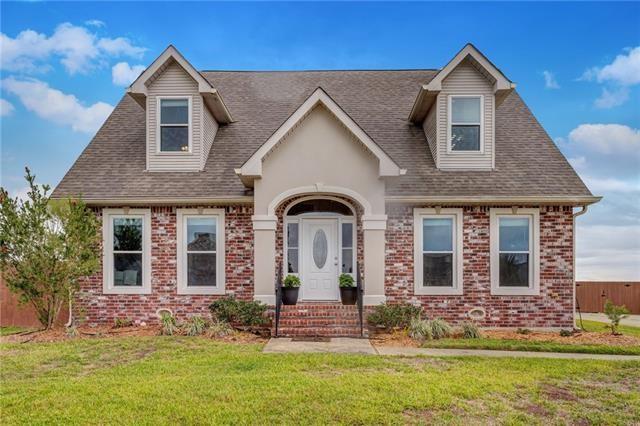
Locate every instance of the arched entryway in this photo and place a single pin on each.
(320, 242)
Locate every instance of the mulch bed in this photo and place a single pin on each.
(400, 338)
(59, 334)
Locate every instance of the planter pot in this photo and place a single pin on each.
(290, 295)
(348, 295)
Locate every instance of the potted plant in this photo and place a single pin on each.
(348, 290)
(290, 289)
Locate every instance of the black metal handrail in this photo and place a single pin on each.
(278, 296)
(360, 301)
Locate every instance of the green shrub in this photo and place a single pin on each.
(566, 333)
(615, 314)
(195, 326)
(470, 330)
(233, 311)
(420, 329)
(122, 322)
(291, 281)
(168, 323)
(346, 280)
(440, 328)
(393, 315)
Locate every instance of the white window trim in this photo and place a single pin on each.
(534, 246)
(108, 215)
(182, 215)
(159, 150)
(431, 213)
(450, 123)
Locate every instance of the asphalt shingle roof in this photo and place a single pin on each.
(527, 162)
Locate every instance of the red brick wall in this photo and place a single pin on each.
(97, 308)
(552, 308)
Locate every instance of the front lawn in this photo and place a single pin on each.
(188, 380)
(527, 345)
(604, 328)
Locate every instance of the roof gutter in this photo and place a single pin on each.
(141, 201)
(496, 200)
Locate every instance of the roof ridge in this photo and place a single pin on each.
(317, 70)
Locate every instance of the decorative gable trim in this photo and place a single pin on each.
(428, 92)
(252, 168)
(139, 88)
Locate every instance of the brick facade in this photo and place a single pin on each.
(552, 308)
(97, 308)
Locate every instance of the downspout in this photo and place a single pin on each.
(573, 231)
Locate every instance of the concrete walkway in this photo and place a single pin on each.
(632, 320)
(363, 346)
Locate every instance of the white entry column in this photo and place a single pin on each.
(264, 256)
(374, 227)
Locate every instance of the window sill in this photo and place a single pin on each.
(204, 290)
(502, 291)
(126, 290)
(438, 291)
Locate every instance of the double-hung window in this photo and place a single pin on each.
(465, 123)
(201, 252)
(514, 251)
(438, 251)
(174, 124)
(127, 243)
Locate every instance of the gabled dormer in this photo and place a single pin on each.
(183, 113)
(456, 109)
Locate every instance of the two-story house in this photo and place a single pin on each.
(438, 186)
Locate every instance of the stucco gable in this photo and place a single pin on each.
(252, 168)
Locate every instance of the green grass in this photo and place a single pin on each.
(603, 327)
(182, 380)
(523, 345)
(7, 330)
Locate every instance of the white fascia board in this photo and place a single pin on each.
(502, 82)
(253, 166)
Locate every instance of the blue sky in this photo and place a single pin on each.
(577, 65)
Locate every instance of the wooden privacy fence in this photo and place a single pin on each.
(14, 314)
(593, 294)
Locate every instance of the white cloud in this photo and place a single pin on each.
(607, 138)
(607, 252)
(54, 105)
(79, 49)
(604, 185)
(6, 108)
(624, 70)
(124, 74)
(95, 23)
(609, 99)
(550, 81)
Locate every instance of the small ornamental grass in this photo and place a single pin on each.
(194, 326)
(470, 330)
(420, 330)
(168, 323)
(440, 328)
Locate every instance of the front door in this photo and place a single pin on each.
(320, 259)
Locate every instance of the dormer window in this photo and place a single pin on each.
(465, 124)
(175, 124)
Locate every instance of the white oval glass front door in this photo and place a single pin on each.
(319, 269)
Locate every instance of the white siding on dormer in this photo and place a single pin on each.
(465, 79)
(209, 130)
(174, 81)
(430, 127)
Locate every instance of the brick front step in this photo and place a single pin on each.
(319, 319)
